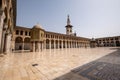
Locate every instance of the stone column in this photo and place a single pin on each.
(23, 45)
(2, 42)
(114, 43)
(76, 45)
(33, 46)
(73, 45)
(81, 44)
(58, 44)
(49, 44)
(8, 43)
(54, 44)
(2, 17)
(13, 45)
(69, 43)
(65, 44)
(44, 44)
(62, 44)
(38, 46)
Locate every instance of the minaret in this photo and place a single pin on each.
(68, 27)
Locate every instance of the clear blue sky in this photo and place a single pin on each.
(90, 18)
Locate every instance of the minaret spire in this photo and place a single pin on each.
(68, 20)
(68, 27)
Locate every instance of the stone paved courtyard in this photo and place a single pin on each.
(62, 64)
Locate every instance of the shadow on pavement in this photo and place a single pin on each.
(105, 68)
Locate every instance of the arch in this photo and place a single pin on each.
(52, 44)
(18, 43)
(77, 44)
(63, 44)
(56, 42)
(60, 44)
(47, 43)
(108, 44)
(104, 44)
(112, 43)
(74, 44)
(27, 40)
(117, 43)
(18, 40)
(27, 43)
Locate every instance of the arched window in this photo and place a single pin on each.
(21, 32)
(27, 43)
(18, 43)
(17, 32)
(18, 40)
(27, 40)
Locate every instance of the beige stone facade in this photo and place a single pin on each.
(108, 41)
(7, 24)
(36, 39)
(21, 38)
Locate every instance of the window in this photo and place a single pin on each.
(46, 35)
(21, 33)
(25, 32)
(17, 31)
(0, 3)
(116, 38)
(29, 33)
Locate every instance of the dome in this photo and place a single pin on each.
(37, 26)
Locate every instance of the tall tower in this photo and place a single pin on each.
(68, 27)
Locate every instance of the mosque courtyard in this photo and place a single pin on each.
(62, 64)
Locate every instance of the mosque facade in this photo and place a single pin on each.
(36, 39)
